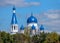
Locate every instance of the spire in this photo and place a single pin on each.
(14, 9)
(14, 19)
(31, 14)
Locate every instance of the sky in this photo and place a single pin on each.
(47, 13)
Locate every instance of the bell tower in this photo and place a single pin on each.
(14, 24)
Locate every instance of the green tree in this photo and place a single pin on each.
(4, 36)
(35, 39)
(42, 37)
(59, 38)
(39, 38)
(1, 41)
(52, 38)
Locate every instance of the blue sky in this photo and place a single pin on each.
(46, 11)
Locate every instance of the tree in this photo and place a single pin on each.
(35, 39)
(59, 38)
(1, 41)
(52, 38)
(39, 38)
(42, 37)
(6, 37)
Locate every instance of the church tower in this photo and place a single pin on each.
(14, 24)
(32, 21)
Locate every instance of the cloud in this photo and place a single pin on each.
(46, 31)
(20, 3)
(52, 14)
(51, 20)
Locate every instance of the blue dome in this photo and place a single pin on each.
(22, 27)
(41, 27)
(33, 27)
(31, 19)
(14, 8)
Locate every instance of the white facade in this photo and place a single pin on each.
(14, 28)
(36, 26)
(22, 31)
(41, 31)
(33, 32)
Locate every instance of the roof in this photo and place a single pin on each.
(22, 27)
(31, 19)
(41, 27)
(14, 19)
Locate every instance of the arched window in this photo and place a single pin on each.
(14, 27)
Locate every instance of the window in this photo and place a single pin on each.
(14, 27)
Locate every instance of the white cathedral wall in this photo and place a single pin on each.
(41, 31)
(22, 31)
(14, 30)
(31, 24)
(33, 32)
(35, 24)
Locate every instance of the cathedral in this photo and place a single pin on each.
(32, 25)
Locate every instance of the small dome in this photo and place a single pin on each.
(41, 27)
(31, 19)
(33, 27)
(22, 27)
(14, 8)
